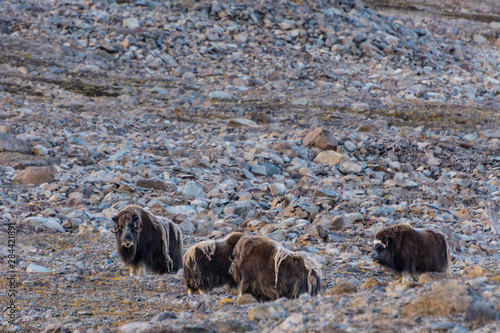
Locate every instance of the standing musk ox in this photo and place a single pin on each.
(409, 251)
(268, 271)
(206, 264)
(147, 242)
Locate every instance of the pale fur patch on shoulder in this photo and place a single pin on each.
(310, 264)
(208, 248)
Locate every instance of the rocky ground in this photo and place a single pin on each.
(315, 123)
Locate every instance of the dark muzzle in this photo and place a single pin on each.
(127, 243)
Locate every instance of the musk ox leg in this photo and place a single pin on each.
(406, 277)
(190, 291)
(202, 292)
(133, 270)
(244, 288)
(142, 269)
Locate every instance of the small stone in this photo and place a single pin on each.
(320, 138)
(400, 286)
(293, 323)
(241, 122)
(36, 175)
(443, 300)
(286, 25)
(33, 268)
(369, 128)
(480, 312)
(360, 106)
(277, 189)
(162, 316)
(349, 146)
(300, 101)
(151, 183)
(187, 227)
(7, 129)
(191, 189)
(342, 286)
(370, 283)
(476, 272)
(332, 223)
(40, 150)
(239, 208)
(200, 163)
(430, 277)
(271, 311)
(131, 23)
(435, 97)
(480, 39)
(10, 143)
(300, 209)
(55, 328)
(330, 157)
(221, 95)
(136, 327)
(349, 167)
(246, 299)
(50, 223)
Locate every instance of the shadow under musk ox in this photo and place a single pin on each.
(146, 242)
(409, 251)
(206, 264)
(267, 271)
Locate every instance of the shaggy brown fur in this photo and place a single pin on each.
(206, 264)
(147, 242)
(410, 251)
(268, 271)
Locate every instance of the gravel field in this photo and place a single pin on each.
(314, 123)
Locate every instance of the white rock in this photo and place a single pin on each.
(293, 323)
(131, 23)
(348, 167)
(33, 268)
(135, 327)
(222, 95)
(51, 223)
(191, 189)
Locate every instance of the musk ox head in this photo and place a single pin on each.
(147, 242)
(381, 253)
(127, 228)
(409, 251)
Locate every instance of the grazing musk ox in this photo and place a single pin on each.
(268, 271)
(147, 242)
(206, 264)
(409, 251)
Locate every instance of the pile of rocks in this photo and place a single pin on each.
(247, 116)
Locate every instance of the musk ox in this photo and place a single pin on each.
(147, 242)
(409, 251)
(206, 264)
(268, 271)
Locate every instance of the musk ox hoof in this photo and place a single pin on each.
(405, 278)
